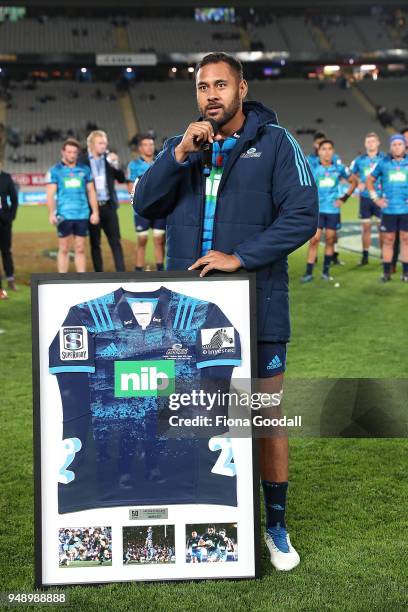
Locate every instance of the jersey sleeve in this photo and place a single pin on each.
(52, 176)
(72, 349)
(218, 342)
(88, 175)
(354, 166)
(377, 170)
(344, 172)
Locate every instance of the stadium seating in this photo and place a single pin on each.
(63, 113)
(298, 35)
(374, 33)
(183, 35)
(391, 92)
(165, 107)
(346, 125)
(57, 34)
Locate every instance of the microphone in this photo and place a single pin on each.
(207, 150)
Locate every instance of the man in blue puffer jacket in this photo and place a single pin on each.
(255, 205)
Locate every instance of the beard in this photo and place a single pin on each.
(228, 113)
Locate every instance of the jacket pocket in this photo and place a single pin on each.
(273, 313)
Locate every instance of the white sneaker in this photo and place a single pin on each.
(283, 556)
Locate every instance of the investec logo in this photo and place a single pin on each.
(144, 378)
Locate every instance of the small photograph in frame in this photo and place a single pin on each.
(211, 543)
(148, 544)
(84, 547)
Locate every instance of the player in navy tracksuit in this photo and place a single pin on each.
(265, 207)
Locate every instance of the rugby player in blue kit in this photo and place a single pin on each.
(362, 166)
(73, 185)
(328, 176)
(392, 172)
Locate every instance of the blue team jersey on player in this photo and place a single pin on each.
(314, 160)
(363, 165)
(328, 185)
(117, 359)
(393, 175)
(136, 168)
(72, 196)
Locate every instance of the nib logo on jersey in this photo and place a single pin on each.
(144, 378)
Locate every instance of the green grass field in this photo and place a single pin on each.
(347, 499)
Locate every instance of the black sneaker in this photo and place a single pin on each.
(385, 278)
(363, 262)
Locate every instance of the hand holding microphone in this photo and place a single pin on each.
(198, 137)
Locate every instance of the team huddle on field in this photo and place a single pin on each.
(382, 181)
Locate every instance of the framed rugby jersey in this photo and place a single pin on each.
(135, 435)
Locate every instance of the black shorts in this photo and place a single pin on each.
(329, 221)
(369, 209)
(76, 227)
(143, 225)
(394, 223)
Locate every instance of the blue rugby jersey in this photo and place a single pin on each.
(72, 196)
(328, 185)
(363, 165)
(136, 168)
(220, 154)
(117, 358)
(393, 175)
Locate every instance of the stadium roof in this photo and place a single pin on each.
(208, 3)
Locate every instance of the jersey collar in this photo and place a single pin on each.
(126, 315)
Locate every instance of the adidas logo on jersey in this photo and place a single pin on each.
(274, 363)
(144, 378)
(110, 351)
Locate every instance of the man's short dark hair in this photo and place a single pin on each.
(319, 135)
(216, 58)
(326, 141)
(71, 142)
(404, 129)
(142, 137)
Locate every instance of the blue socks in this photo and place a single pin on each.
(326, 263)
(275, 503)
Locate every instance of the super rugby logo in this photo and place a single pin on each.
(73, 343)
(144, 378)
(217, 340)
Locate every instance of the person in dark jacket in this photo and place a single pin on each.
(105, 171)
(265, 207)
(8, 212)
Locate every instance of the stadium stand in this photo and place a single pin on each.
(391, 94)
(374, 33)
(171, 35)
(59, 106)
(299, 34)
(322, 109)
(342, 35)
(269, 35)
(57, 34)
(166, 107)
